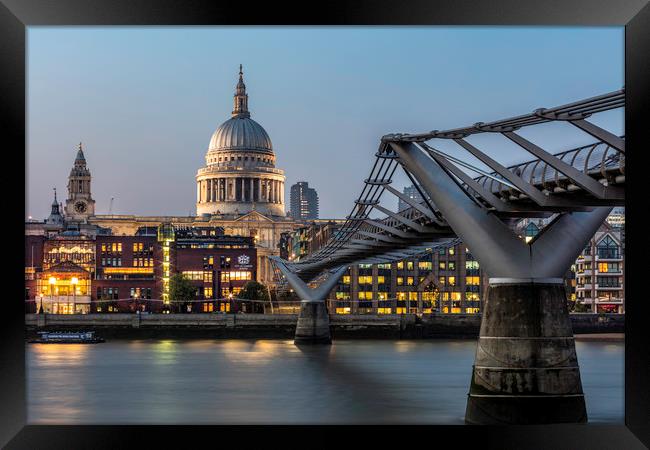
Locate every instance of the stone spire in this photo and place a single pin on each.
(55, 203)
(241, 97)
(55, 217)
(80, 159)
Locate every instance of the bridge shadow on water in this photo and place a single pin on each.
(376, 390)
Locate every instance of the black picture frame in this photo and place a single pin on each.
(16, 15)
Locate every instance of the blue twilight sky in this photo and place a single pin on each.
(146, 100)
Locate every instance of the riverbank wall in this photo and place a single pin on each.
(282, 326)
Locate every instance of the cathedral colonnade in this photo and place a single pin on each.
(251, 188)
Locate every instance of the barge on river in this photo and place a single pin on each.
(66, 337)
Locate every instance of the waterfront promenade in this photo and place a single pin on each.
(403, 326)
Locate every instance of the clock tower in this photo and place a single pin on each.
(79, 205)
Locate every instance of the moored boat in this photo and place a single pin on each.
(66, 337)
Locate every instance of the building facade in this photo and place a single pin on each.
(599, 273)
(75, 273)
(411, 192)
(445, 280)
(304, 202)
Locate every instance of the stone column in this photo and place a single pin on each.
(210, 198)
(259, 189)
(252, 193)
(198, 192)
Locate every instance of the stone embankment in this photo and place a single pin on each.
(387, 326)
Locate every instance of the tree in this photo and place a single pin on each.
(254, 291)
(181, 289)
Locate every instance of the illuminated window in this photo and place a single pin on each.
(346, 279)
(400, 265)
(382, 295)
(365, 295)
(193, 275)
(452, 251)
(384, 310)
(400, 310)
(471, 265)
(471, 310)
(441, 280)
(442, 265)
(400, 281)
(381, 279)
(471, 296)
(365, 279)
(424, 265)
(413, 295)
(472, 281)
(401, 296)
(452, 265)
(452, 281)
(345, 310)
(207, 277)
(455, 295)
(409, 265)
(429, 296)
(343, 296)
(409, 281)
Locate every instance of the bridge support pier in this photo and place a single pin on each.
(313, 325)
(526, 370)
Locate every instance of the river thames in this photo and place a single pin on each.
(275, 382)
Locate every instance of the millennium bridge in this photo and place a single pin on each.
(525, 369)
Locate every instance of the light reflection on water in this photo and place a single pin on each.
(274, 381)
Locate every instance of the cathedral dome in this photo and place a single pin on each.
(240, 133)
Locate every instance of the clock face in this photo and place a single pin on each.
(80, 207)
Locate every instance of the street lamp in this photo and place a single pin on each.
(52, 282)
(74, 281)
(40, 310)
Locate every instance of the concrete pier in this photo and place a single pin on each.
(313, 325)
(526, 370)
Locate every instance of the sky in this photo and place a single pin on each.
(145, 100)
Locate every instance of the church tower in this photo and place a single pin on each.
(79, 205)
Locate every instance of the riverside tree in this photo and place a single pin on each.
(181, 289)
(254, 290)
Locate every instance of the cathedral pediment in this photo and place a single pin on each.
(254, 216)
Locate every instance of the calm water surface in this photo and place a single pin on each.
(273, 381)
